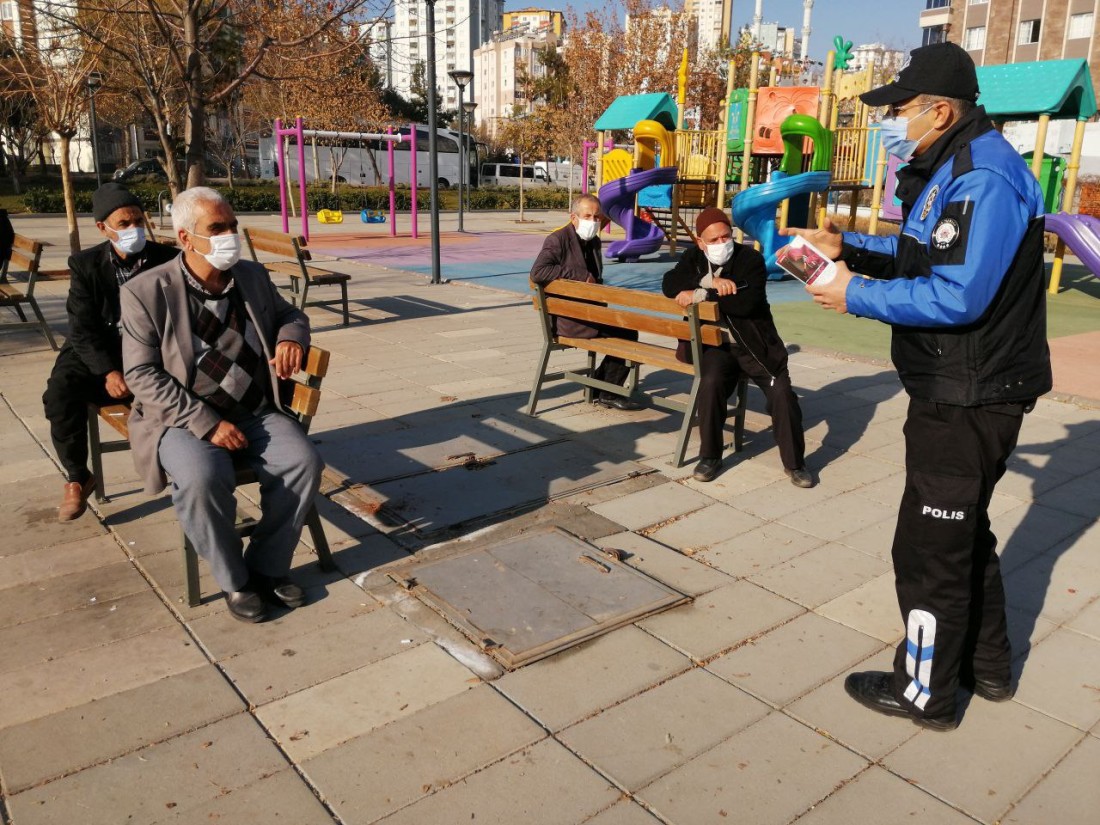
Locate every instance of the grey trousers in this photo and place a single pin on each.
(202, 480)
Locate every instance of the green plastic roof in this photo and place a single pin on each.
(1023, 91)
(627, 110)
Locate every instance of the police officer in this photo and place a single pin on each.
(963, 290)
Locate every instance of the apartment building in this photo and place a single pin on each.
(712, 19)
(533, 20)
(461, 26)
(498, 66)
(995, 32)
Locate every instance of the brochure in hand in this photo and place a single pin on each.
(806, 262)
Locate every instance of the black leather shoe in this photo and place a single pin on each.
(282, 589)
(707, 469)
(800, 477)
(874, 689)
(994, 690)
(617, 402)
(246, 605)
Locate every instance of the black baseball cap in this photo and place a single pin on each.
(943, 69)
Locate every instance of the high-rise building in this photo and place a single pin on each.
(882, 56)
(1017, 31)
(712, 18)
(460, 27)
(499, 66)
(533, 20)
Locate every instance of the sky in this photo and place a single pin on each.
(893, 22)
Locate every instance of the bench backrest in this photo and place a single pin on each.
(277, 243)
(629, 309)
(26, 253)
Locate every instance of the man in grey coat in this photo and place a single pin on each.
(206, 337)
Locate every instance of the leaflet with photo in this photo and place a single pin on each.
(806, 262)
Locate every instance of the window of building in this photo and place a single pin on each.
(979, 2)
(974, 39)
(1080, 26)
(7, 11)
(1028, 33)
(933, 35)
(937, 4)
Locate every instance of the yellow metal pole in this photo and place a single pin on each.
(1067, 203)
(1040, 145)
(724, 137)
(681, 93)
(876, 200)
(824, 114)
(599, 160)
(750, 127)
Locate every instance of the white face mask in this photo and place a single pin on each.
(225, 250)
(130, 241)
(587, 229)
(719, 253)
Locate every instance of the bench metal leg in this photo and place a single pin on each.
(344, 299)
(320, 541)
(42, 324)
(739, 416)
(304, 285)
(590, 392)
(687, 423)
(95, 451)
(540, 376)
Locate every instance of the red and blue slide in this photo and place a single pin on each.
(617, 200)
(1081, 234)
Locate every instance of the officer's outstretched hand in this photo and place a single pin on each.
(833, 295)
(826, 238)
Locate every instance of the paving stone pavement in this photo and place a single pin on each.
(122, 704)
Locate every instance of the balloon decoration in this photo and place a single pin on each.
(843, 53)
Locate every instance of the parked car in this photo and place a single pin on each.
(507, 174)
(151, 168)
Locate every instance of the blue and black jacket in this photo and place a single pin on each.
(963, 285)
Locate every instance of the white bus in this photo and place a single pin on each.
(366, 163)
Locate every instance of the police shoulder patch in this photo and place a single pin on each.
(945, 234)
(931, 199)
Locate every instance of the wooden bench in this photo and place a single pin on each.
(303, 403)
(302, 276)
(26, 254)
(643, 312)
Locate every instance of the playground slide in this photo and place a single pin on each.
(754, 210)
(617, 198)
(1081, 234)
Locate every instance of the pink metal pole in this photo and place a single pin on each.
(302, 177)
(412, 178)
(393, 195)
(279, 161)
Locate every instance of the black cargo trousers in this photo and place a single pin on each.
(947, 572)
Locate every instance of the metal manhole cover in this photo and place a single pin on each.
(537, 594)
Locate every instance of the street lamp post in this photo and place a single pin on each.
(468, 107)
(461, 77)
(94, 83)
(433, 143)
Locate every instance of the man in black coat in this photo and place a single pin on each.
(718, 268)
(89, 366)
(573, 253)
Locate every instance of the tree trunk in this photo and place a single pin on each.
(67, 192)
(521, 188)
(171, 167)
(195, 131)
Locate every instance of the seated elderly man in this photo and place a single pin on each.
(205, 338)
(89, 367)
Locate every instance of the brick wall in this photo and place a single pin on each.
(1090, 198)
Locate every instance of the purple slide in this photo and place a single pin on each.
(1081, 234)
(617, 199)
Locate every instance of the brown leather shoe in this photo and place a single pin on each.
(75, 499)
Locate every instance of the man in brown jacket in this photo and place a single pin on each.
(573, 252)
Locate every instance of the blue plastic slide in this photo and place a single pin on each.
(617, 199)
(1081, 234)
(754, 210)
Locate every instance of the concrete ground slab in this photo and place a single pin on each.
(170, 778)
(321, 717)
(704, 528)
(278, 797)
(1063, 678)
(878, 796)
(59, 594)
(786, 663)
(94, 549)
(88, 734)
(677, 570)
(820, 575)
(578, 682)
(759, 549)
(720, 620)
(871, 608)
(623, 813)
(1028, 745)
(541, 785)
(740, 779)
(650, 734)
(30, 521)
(652, 506)
(397, 764)
(1069, 795)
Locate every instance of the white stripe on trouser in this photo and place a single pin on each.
(920, 643)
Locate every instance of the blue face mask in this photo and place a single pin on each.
(895, 140)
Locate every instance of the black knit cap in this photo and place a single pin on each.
(111, 196)
(942, 69)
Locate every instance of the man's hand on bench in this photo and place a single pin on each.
(116, 385)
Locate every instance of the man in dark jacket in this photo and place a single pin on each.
(963, 288)
(718, 268)
(573, 253)
(89, 366)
